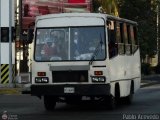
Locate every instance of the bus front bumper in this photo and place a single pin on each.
(71, 89)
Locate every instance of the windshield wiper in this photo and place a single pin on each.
(96, 52)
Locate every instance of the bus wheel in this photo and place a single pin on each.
(117, 94)
(49, 102)
(129, 98)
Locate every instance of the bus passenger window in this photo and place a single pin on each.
(128, 49)
(120, 38)
(134, 39)
(113, 51)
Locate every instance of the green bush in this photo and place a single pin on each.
(145, 68)
(157, 69)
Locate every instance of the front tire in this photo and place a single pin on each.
(129, 98)
(112, 103)
(49, 103)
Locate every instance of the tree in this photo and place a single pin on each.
(107, 6)
(144, 12)
(96, 5)
(158, 30)
(110, 6)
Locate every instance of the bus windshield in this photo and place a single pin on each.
(70, 44)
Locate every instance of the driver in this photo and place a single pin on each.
(50, 49)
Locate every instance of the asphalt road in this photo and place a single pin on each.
(25, 107)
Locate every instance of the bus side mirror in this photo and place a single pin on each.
(30, 35)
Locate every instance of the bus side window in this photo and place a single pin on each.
(113, 51)
(120, 38)
(128, 45)
(134, 40)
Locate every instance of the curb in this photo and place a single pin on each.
(10, 91)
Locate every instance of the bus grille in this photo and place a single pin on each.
(69, 76)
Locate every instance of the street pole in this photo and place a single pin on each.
(0, 42)
(10, 42)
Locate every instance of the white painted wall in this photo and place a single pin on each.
(4, 22)
(5, 13)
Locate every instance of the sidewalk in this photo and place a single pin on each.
(154, 77)
(10, 91)
(145, 83)
(150, 80)
(13, 89)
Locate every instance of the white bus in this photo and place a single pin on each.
(84, 56)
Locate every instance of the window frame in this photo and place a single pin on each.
(134, 40)
(120, 42)
(105, 53)
(112, 43)
(125, 44)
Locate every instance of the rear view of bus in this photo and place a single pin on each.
(70, 59)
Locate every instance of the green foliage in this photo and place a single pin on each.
(142, 11)
(96, 5)
(157, 69)
(107, 6)
(145, 68)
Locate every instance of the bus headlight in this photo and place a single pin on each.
(98, 79)
(41, 79)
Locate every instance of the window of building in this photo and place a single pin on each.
(4, 34)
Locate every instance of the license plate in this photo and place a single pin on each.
(69, 90)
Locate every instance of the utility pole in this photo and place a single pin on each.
(7, 52)
(10, 42)
(0, 42)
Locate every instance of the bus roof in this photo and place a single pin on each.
(99, 15)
